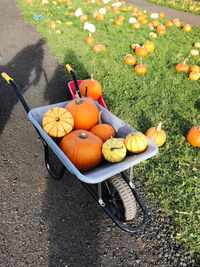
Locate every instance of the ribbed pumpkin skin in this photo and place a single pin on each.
(57, 122)
(94, 88)
(85, 113)
(136, 142)
(157, 136)
(193, 136)
(104, 131)
(84, 153)
(114, 150)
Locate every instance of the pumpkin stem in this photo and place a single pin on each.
(86, 89)
(159, 127)
(185, 60)
(78, 100)
(100, 112)
(57, 119)
(90, 34)
(83, 135)
(113, 148)
(92, 78)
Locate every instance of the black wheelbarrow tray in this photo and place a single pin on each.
(115, 194)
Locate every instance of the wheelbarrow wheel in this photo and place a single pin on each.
(120, 198)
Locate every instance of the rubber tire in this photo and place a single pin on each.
(126, 196)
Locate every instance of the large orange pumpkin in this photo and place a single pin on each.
(94, 88)
(83, 149)
(84, 112)
(103, 130)
(57, 122)
(182, 67)
(149, 46)
(99, 48)
(89, 39)
(193, 136)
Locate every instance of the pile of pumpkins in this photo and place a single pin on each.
(85, 140)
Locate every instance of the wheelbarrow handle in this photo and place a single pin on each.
(6, 77)
(17, 91)
(71, 71)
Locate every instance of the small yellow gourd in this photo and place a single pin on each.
(136, 142)
(157, 135)
(114, 150)
(57, 122)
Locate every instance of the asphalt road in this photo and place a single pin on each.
(56, 223)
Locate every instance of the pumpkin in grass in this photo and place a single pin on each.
(57, 122)
(193, 136)
(118, 22)
(99, 48)
(149, 46)
(194, 75)
(103, 130)
(157, 135)
(83, 149)
(84, 112)
(136, 142)
(141, 51)
(182, 67)
(129, 59)
(89, 39)
(194, 68)
(140, 69)
(94, 88)
(114, 150)
(187, 28)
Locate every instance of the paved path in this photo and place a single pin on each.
(54, 223)
(169, 12)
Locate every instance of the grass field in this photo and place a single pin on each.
(162, 94)
(190, 6)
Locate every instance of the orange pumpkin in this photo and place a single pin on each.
(140, 69)
(94, 88)
(103, 130)
(193, 136)
(169, 24)
(118, 22)
(194, 75)
(194, 68)
(161, 15)
(141, 51)
(136, 142)
(129, 59)
(122, 17)
(99, 48)
(177, 22)
(149, 46)
(89, 40)
(187, 28)
(155, 23)
(84, 112)
(83, 149)
(182, 67)
(136, 25)
(99, 17)
(57, 122)
(157, 135)
(83, 17)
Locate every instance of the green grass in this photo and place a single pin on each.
(172, 177)
(190, 6)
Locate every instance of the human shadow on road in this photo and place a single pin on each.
(71, 214)
(21, 68)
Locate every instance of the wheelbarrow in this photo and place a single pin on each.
(116, 194)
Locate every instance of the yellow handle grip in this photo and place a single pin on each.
(69, 68)
(6, 77)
